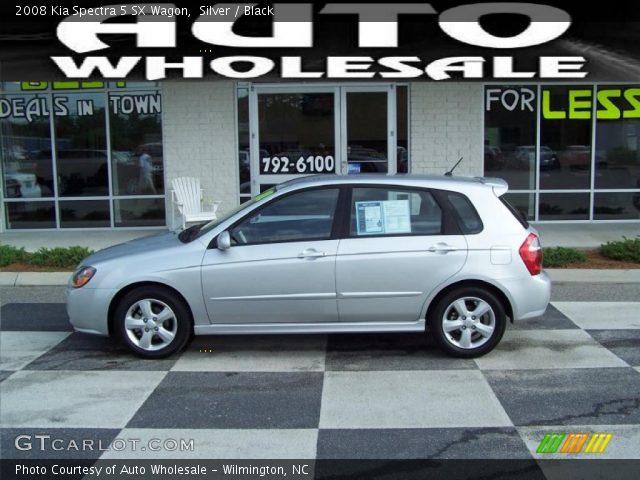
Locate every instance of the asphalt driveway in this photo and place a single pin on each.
(393, 396)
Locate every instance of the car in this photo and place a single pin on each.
(576, 157)
(526, 157)
(325, 254)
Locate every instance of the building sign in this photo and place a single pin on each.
(510, 99)
(30, 108)
(85, 31)
(575, 104)
(302, 164)
(36, 86)
(610, 103)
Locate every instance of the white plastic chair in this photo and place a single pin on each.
(187, 197)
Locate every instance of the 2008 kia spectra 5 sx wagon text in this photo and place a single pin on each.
(326, 254)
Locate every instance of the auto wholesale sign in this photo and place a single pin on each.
(378, 27)
(313, 42)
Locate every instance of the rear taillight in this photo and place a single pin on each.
(531, 254)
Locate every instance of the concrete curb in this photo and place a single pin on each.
(31, 279)
(578, 275)
(558, 275)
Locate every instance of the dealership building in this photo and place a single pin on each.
(102, 155)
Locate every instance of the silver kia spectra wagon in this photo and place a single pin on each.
(326, 254)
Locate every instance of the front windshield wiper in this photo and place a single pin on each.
(188, 234)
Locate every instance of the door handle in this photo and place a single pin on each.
(311, 253)
(442, 248)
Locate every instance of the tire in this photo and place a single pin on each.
(463, 337)
(140, 325)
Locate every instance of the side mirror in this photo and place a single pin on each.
(224, 241)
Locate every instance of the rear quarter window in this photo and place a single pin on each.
(468, 219)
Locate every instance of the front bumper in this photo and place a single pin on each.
(88, 309)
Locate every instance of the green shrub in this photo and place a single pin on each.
(627, 249)
(67, 257)
(562, 256)
(10, 254)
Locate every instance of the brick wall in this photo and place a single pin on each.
(446, 124)
(199, 137)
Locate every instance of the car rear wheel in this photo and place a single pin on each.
(153, 322)
(468, 322)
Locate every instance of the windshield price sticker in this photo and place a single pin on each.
(302, 165)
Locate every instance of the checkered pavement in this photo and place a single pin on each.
(378, 396)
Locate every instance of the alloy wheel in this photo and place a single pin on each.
(468, 322)
(151, 324)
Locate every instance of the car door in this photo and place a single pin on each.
(281, 264)
(399, 246)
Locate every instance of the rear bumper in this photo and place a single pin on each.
(530, 296)
(88, 309)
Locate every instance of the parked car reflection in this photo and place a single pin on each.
(526, 157)
(576, 157)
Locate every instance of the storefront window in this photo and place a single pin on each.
(580, 177)
(84, 213)
(81, 145)
(139, 212)
(136, 143)
(617, 206)
(30, 215)
(510, 135)
(617, 162)
(26, 146)
(565, 138)
(59, 152)
(564, 206)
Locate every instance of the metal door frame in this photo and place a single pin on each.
(340, 126)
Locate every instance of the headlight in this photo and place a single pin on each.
(82, 276)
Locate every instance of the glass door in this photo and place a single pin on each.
(368, 130)
(306, 130)
(294, 133)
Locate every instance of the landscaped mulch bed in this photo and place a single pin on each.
(595, 260)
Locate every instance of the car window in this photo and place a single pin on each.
(469, 219)
(307, 215)
(388, 211)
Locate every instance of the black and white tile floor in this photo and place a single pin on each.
(390, 396)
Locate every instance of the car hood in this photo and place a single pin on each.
(139, 245)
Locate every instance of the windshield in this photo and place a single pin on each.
(196, 231)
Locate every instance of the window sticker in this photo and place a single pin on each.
(383, 217)
(397, 217)
(369, 218)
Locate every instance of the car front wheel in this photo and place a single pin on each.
(152, 322)
(468, 322)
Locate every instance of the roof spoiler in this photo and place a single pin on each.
(500, 187)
